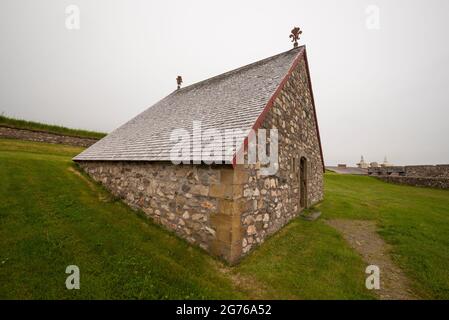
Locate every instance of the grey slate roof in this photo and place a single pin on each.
(233, 100)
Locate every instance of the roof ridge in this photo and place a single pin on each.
(227, 73)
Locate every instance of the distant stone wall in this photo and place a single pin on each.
(41, 136)
(421, 176)
(440, 183)
(438, 171)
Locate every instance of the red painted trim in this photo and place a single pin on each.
(270, 103)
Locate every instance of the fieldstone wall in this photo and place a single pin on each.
(420, 176)
(176, 196)
(195, 201)
(41, 136)
(272, 201)
(440, 183)
(438, 171)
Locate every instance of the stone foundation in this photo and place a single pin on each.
(41, 136)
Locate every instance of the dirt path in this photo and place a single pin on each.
(362, 236)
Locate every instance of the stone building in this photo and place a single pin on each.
(386, 163)
(227, 208)
(362, 164)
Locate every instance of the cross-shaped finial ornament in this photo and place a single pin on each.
(179, 81)
(296, 32)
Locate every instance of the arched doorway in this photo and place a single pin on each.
(303, 183)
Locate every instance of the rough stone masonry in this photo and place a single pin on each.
(432, 176)
(228, 210)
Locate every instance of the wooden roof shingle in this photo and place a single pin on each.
(232, 100)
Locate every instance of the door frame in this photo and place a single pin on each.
(303, 182)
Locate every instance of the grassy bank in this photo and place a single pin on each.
(31, 125)
(52, 217)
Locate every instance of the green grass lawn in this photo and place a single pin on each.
(50, 218)
(415, 221)
(31, 125)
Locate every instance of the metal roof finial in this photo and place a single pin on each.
(179, 81)
(295, 33)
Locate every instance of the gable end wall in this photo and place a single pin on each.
(274, 200)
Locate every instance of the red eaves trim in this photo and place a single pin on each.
(270, 103)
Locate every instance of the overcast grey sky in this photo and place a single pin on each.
(377, 91)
